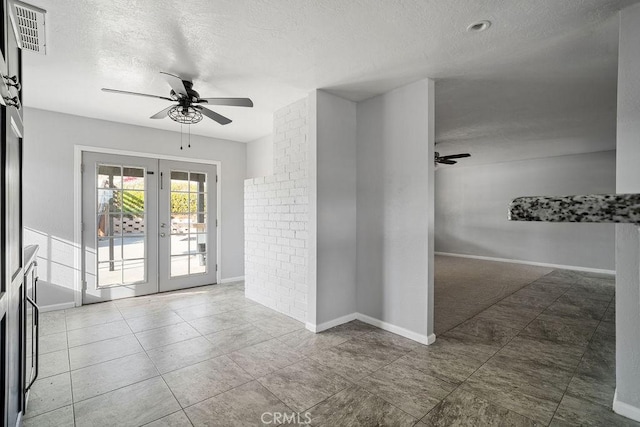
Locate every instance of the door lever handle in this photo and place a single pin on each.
(163, 225)
(162, 234)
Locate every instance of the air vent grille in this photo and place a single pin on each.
(29, 24)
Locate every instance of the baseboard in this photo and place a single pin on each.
(537, 264)
(232, 279)
(625, 409)
(422, 339)
(331, 323)
(55, 307)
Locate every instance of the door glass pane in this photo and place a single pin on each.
(188, 223)
(120, 206)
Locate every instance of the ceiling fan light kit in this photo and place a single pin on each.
(187, 110)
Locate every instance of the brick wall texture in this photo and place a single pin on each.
(276, 219)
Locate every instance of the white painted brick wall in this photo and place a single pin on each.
(276, 219)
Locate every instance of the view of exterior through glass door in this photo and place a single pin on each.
(146, 225)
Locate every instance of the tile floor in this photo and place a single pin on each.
(208, 356)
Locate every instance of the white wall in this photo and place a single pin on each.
(394, 174)
(260, 157)
(471, 210)
(332, 257)
(49, 181)
(276, 220)
(627, 400)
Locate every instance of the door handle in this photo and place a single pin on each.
(162, 234)
(163, 225)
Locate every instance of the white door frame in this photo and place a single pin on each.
(77, 202)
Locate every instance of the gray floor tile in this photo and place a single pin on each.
(166, 335)
(177, 419)
(52, 322)
(358, 358)
(592, 390)
(204, 310)
(102, 351)
(248, 405)
(558, 329)
(507, 390)
(104, 377)
(98, 333)
(181, 354)
(278, 325)
(510, 316)
(233, 339)
(53, 342)
(304, 384)
(62, 417)
(217, 322)
(483, 331)
(153, 321)
(84, 319)
(53, 363)
(408, 388)
(263, 358)
(48, 394)
(444, 362)
(610, 314)
(350, 330)
(153, 400)
(577, 412)
(305, 342)
(357, 407)
(577, 306)
(462, 408)
(149, 309)
(206, 379)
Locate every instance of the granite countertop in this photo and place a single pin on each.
(598, 208)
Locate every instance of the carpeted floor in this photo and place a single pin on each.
(464, 287)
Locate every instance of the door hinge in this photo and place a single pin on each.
(82, 168)
(216, 267)
(161, 180)
(216, 222)
(216, 178)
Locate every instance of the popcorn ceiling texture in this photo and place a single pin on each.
(276, 218)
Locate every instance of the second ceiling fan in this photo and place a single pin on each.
(187, 109)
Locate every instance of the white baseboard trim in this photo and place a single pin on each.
(331, 323)
(537, 264)
(422, 339)
(625, 409)
(232, 279)
(55, 307)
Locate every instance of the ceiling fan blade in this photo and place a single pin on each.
(234, 102)
(124, 92)
(456, 156)
(213, 115)
(162, 114)
(446, 162)
(176, 83)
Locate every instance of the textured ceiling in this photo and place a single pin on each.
(276, 51)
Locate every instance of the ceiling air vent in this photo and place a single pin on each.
(28, 24)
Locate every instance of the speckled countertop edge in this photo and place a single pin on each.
(594, 208)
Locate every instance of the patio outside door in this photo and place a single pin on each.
(146, 226)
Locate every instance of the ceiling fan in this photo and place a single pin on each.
(187, 109)
(447, 160)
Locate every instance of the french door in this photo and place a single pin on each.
(148, 225)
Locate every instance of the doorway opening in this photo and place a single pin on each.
(148, 225)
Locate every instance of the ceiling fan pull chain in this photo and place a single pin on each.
(189, 136)
(181, 133)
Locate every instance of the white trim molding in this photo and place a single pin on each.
(625, 409)
(422, 339)
(331, 323)
(538, 264)
(55, 307)
(232, 279)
